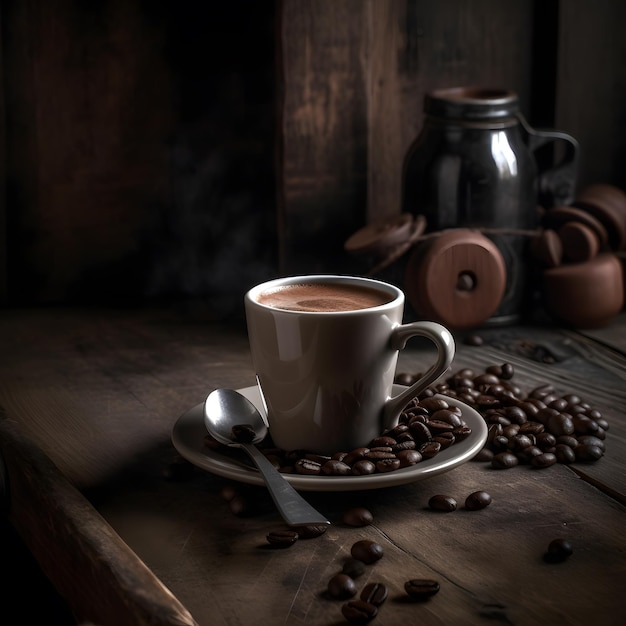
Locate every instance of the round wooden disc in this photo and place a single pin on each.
(547, 248)
(608, 205)
(457, 279)
(579, 242)
(381, 235)
(556, 217)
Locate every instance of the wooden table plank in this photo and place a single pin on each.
(99, 392)
(99, 575)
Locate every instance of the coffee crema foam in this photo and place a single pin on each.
(324, 297)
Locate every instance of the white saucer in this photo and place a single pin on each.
(189, 432)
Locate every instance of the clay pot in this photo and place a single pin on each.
(585, 295)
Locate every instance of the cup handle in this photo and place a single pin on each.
(557, 184)
(444, 341)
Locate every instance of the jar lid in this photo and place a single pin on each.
(471, 103)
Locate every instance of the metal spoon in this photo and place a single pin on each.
(233, 420)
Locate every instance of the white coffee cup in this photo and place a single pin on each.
(326, 375)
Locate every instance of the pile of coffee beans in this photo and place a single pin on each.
(426, 426)
(539, 428)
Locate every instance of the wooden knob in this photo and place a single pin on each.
(608, 205)
(458, 279)
(381, 235)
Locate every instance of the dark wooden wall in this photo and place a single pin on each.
(188, 149)
(138, 139)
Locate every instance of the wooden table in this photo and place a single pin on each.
(89, 401)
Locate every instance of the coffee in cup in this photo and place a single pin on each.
(325, 349)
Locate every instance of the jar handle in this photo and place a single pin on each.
(557, 185)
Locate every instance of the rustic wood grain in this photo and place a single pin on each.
(92, 568)
(323, 131)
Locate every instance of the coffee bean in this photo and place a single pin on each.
(486, 379)
(377, 454)
(447, 416)
(363, 468)
(588, 453)
(310, 532)
(516, 415)
(564, 454)
(430, 449)
(420, 432)
(407, 444)
(528, 454)
(341, 587)
(461, 433)
(388, 465)
(567, 440)
(353, 568)
(434, 404)
(307, 467)
(483, 455)
(511, 430)
(355, 455)
(496, 370)
(443, 503)
(282, 538)
(400, 429)
(585, 425)
(421, 588)
(359, 612)
(336, 468)
(546, 459)
(383, 441)
(519, 442)
(590, 440)
(474, 340)
(403, 378)
(374, 593)
(560, 424)
(445, 440)
(530, 409)
(558, 550)
(560, 404)
(504, 460)
(367, 551)
(572, 398)
(318, 458)
(477, 500)
(408, 457)
(508, 371)
(357, 516)
(531, 428)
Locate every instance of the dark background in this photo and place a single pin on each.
(162, 150)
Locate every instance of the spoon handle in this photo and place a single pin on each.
(295, 510)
